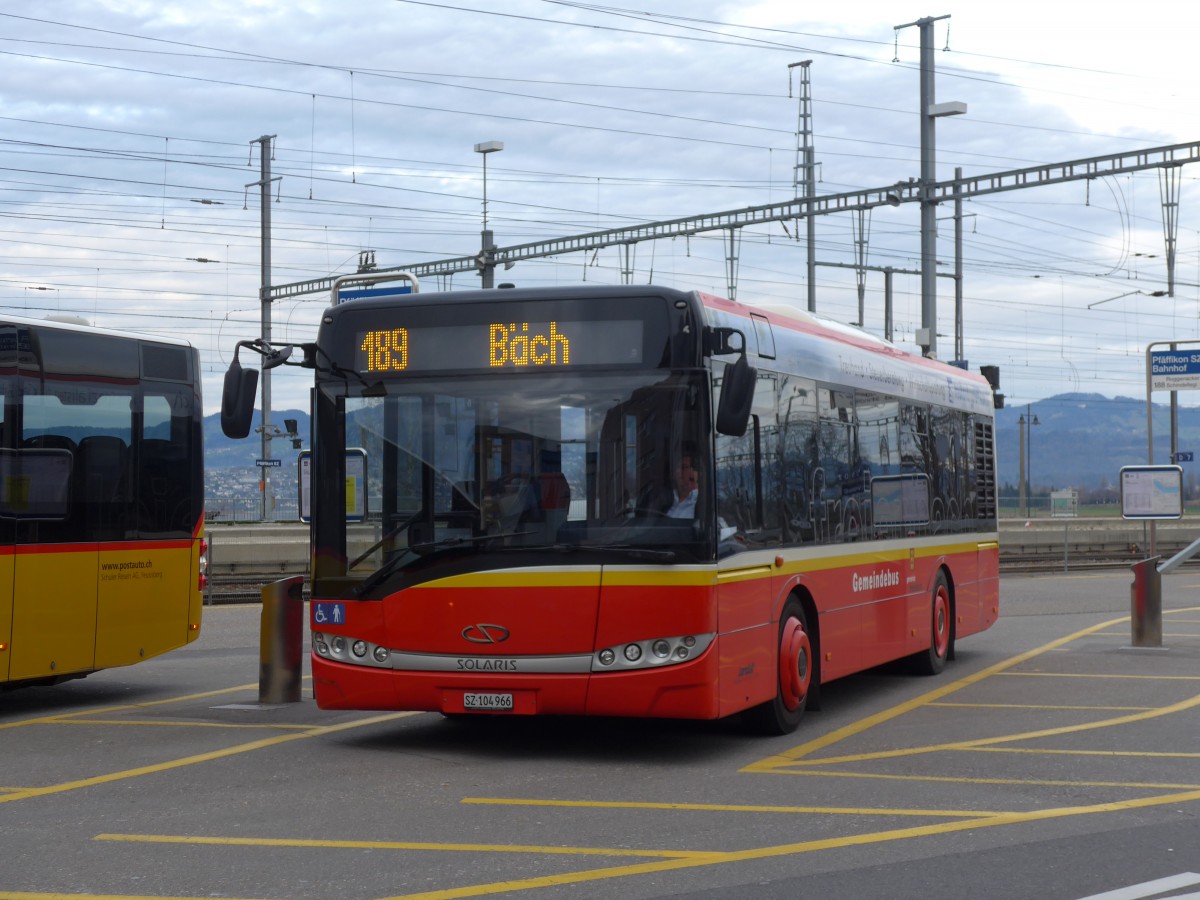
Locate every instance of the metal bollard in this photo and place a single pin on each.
(281, 641)
(1145, 616)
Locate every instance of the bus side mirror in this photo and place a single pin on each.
(237, 400)
(737, 396)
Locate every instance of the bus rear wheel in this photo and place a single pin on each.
(794, 672)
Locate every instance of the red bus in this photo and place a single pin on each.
(636, 501)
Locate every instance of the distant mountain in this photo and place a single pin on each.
(221, 452)
(1083, 440)
(1080, 440)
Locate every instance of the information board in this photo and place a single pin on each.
(356, 484)
(1151, 492)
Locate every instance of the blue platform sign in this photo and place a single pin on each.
(1174, 370)
(324, 613)
(390, 290)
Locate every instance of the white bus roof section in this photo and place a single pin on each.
(842, 355)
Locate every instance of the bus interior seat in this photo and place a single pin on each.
(103, 460)
(162, 484)
(554, 499)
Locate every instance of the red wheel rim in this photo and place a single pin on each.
(941, 620)
(795, 671)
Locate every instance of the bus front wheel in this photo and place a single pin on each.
(794, 672)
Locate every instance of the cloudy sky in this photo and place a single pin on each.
(130, 127)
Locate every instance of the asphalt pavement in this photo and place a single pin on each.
(1052, 759)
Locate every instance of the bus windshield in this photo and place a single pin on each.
(475, 470)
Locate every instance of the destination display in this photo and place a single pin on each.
(394, 348)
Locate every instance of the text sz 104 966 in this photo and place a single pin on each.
(488, 701)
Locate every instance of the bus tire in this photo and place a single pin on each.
(941, 630)
(793, 676)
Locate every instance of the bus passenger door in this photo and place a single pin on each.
(6, 596)
(7, 531)
(54, 569)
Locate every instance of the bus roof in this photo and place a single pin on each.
(81, 326)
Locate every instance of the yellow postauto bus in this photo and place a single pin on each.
(102, 552)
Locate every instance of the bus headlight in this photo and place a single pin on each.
(652, 653)
(352, 650)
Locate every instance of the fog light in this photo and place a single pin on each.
(633, 652)
(359, 649)
(607, 657)
(381, 654)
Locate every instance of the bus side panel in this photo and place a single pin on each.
(54, 614)
(7, 560)
(987, 591)
(839, 622)
(195, 592)
(144, 600)
(886, 605)
(748, 634)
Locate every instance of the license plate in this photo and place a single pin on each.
(494, 702)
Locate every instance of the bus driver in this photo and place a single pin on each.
(686, 487)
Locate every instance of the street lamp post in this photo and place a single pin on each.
(484, 262)
(1024, 436)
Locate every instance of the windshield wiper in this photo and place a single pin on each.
(646, 553)
(383, 540)
(423, 549)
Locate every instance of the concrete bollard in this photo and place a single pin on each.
(1145, 615)
(281, 641)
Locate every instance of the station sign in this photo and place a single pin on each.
(1174, 370)
(391, 290)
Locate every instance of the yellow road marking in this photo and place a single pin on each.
(1099, 676)
(729, 807)
(789, 757)
(279, 726)
(876, 837)
(36, 895)
(1137, 754)
(402, 845)
(664, 860)
(63, 717)
(1043, 706)
(154, 768)
(1158, 712)
(1015, 782)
